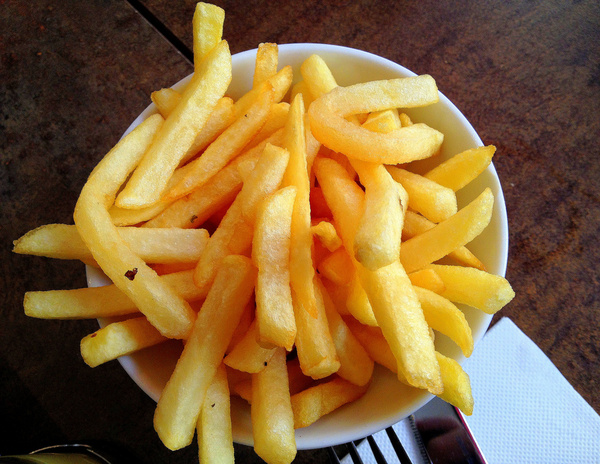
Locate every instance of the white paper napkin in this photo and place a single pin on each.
(525, 410)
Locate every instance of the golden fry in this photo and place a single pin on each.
(119, 339)
(165, 309)
(328, 123)
(207, 26)
(215, 437)
(181, 401)
(479, 289)
(247, 355)
(391, 295)
(427, 197)
(448, 235)
(315, 402)
(226, 147)
(271, 253)
(207, 86)
(267, 58)
(355, 364)
(462, 168)
(271, 412)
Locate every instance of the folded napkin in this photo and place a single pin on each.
(525, 410)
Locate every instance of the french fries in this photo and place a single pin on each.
(271, 254)
(215, 436)
(208, 85)
(271, 412)
(181, 401)
(329, 125)
(119, 339)
(323, 257)
(62, 241)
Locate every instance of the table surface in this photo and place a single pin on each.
(75, 73)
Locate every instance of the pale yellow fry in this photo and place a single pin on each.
(358, 303)
(427, 278)
(59, 241)
(337, 267)
(234, 234)
(448, 235)
(415, 224)
(95, 302)
(217, 248)
(377, 239)
(63, 241)
(327, 235)
(374, 343)
(399, 314)
(267, 59)
(462, 168)
(473, 287)
(383, 121)
(427, 197)
(221, 117)
(391, 295)
(342, 183)
(312, 148)
(207, 27)
(131, 217)
(301, 266)
(247, 355)
(207, 86)
(166, 310)
(271, 255)
(405, 120)
(329, 125)
(315, 402)
(355, 364)
(264, 179)
(319, 80)
(280, 83)
(119, 339)
(181, 401)
(339, 295)
(165, 100)
(314, 344)
(218, 192)
(227, 146)
(166, 245)
(271, 412)
(128, 217)
(243, 327)
(215, 436)
(302, 88)
(446, 318)
(457, 385)
(317, 76)
(339, 158)
(277, 119)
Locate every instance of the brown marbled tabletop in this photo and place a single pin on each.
(74, 74)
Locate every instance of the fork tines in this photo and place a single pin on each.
(377, 454)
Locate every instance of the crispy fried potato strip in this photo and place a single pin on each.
(164, 308)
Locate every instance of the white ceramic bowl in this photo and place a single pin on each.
(387, 400)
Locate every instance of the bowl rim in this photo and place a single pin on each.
(306, 440)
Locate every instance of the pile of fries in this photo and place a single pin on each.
(323, 255)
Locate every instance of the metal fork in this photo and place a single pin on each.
(379, 458)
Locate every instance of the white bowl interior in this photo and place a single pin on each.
(387, 400)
